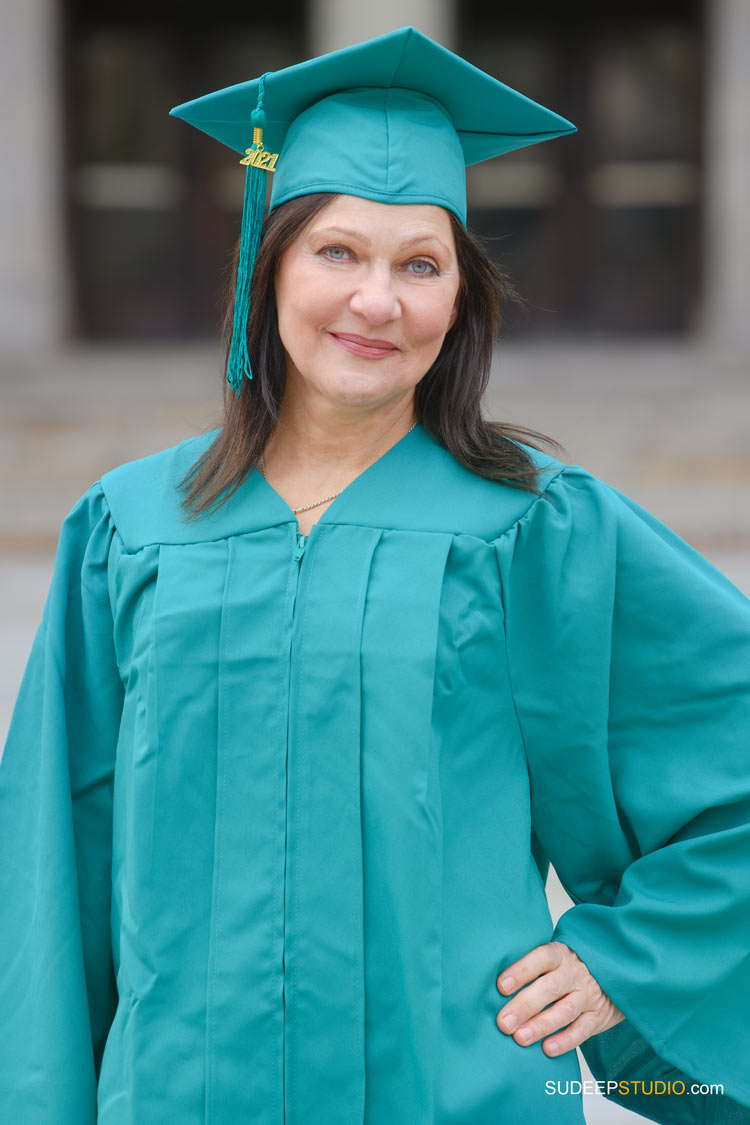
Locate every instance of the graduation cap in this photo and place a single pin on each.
(395, 119)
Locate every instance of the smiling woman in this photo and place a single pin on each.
(280, 796)
(396, 275)
(441, 320)
(361, 322)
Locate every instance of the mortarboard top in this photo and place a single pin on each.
(458, 102)
(395, 119)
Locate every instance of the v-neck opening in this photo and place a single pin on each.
(345, 492)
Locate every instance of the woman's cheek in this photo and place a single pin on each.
(325, 298)
(431, 321)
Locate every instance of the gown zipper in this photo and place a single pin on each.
(299, 550)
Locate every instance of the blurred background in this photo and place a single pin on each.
(630, 242)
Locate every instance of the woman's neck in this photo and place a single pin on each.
(324, 448)
(308, 459)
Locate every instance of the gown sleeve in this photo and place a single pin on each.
(57, 984)
(629, 659)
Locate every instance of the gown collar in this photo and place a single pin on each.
(356, 499)
(416, 485)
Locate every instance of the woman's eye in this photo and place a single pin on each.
(336, 253)
(422, 268)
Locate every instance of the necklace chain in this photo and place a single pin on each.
(317, 503)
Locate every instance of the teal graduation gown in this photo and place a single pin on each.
(275, 810)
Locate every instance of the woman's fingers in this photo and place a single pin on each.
(519, 1011)
(541, 959)
(533, 1028)
(559, 992)
(582, 1028)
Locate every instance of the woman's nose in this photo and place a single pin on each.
(374, 297)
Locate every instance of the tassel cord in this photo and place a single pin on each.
(253, 208)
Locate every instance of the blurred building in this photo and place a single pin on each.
(118, 221)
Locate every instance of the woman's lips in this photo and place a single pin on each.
(362, 345)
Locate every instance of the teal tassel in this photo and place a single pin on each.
(238, 367)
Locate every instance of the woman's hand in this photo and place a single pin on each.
(558, 974)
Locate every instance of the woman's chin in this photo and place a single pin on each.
(357, 388)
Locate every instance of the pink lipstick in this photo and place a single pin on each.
(364, 346)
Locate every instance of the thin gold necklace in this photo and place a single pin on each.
(317, 502)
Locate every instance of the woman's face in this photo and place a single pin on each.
(365, 295)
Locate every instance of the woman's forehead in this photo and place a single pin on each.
(370, 219)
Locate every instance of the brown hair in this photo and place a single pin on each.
(447, 399)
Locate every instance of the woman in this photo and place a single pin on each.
(319, 695)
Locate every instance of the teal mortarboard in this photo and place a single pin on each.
(395, 119)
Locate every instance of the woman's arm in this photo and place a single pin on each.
(57, 983)
(629, 658)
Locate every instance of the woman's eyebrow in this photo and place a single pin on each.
(422, 238)
(428, 236)
(343, 231)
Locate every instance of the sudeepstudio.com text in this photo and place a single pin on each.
(657, 1087)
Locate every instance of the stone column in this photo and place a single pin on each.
(33, 262)
(726, 306)
(338, 23)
